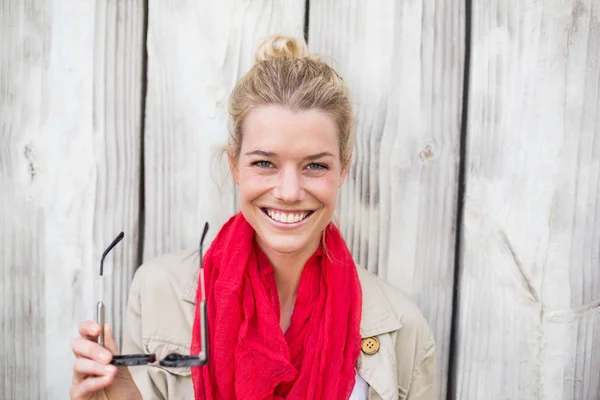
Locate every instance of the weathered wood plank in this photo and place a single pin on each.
(197, 50)
(404, 64)
(530, 283)
(70, 102)
(119, 54)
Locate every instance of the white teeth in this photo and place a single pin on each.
(287, 218)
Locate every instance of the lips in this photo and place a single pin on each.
(287, 217)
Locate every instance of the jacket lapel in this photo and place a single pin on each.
(189, 289)
(379, 370)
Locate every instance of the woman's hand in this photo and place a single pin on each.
(93, 377)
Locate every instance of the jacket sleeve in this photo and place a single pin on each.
(150, 384)
(423, 381)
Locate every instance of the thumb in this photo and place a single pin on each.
(109, 340)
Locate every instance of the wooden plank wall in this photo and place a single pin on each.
(197, 50)
(529, 309)
(403, 62)
(90, 91)
(70, 124)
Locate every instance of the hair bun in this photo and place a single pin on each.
(280, 45)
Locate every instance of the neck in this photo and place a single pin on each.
(288, 268)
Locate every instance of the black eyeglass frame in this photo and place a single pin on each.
(172, 360)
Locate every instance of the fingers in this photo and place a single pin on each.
(109, 340)
(91, 385)
(88, 349)
(91, 370)
(89, 330)
(85, 367)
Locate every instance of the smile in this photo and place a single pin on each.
(292, 217)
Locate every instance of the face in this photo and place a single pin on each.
(289, 173)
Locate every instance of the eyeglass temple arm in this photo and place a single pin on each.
(203, 330)
(108, 249)
(203, 316)
(100, 305)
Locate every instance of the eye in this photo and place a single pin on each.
(262, 164)
(316, 167)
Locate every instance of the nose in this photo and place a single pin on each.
(289, 187)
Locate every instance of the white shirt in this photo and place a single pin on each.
(361, 389)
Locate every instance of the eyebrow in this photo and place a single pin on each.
(261, 153)
(312, 157)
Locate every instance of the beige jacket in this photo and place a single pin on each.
(161, 309)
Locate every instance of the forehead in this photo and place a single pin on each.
(277, 129)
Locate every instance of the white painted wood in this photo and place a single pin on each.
(530, 283)
(197, 50)
(403, 63)
(70, 89)
(119, 53)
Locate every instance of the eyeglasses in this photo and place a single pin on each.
(172, 360)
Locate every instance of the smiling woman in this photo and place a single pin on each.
(288, 187)
(290, 314)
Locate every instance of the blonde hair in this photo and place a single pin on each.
(285, 74)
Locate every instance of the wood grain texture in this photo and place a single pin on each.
(197, 50)
(119, 53)
(22, 289)
(403, 63)
(70, 89)
(529, 309)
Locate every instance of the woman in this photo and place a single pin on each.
(289, 313)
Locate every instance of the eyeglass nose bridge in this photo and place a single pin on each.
(172, 360)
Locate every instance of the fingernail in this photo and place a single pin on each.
(110, 369)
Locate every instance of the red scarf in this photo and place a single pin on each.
(250, 358)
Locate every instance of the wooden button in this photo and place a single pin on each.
(370, 345)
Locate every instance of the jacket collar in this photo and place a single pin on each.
(378, 316)
(379, 319)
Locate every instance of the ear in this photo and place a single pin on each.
(233, 167)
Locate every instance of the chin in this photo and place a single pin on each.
(283, 244)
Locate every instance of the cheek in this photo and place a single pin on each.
(324, 189)
(251, 184)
